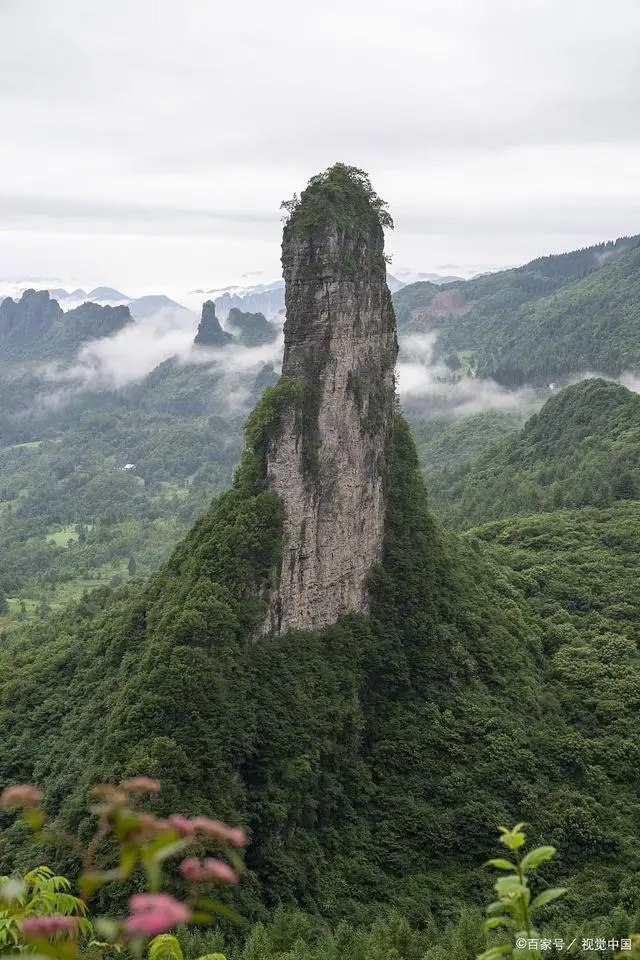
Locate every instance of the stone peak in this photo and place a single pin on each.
(328, 460)
(210, 333)
(334, 229)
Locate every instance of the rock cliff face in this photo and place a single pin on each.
(327, 462)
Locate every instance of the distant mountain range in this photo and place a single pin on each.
(558, 315)
(36, 328)
(263, 298)
(535, 324)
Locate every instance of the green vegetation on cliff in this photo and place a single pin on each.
(342, 199)
(342, 195)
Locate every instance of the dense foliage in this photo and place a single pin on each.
(369, 762)
(582, 449)
(342, 195)
(450, 441)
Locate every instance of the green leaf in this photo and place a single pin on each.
(513, 839)
(508, 886)
(35, 818)
(493, 922)
(547, 896)
(128, 858)
(198, 916)
(495, 952)
(165, 947)
(170, 850)
(163, 840)
(500, 864)
(537, 856)
(499, 906)
(125, 822)
(154, 876)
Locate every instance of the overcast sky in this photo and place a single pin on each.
(147, 144)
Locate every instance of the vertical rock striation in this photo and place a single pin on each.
(328, 460)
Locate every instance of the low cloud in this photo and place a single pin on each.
(131, 354)
(426, 387)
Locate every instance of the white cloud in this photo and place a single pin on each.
(151, 141)
(136, 350)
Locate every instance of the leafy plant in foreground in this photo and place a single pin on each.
(514, 907)
(39, 916)
(39, 894)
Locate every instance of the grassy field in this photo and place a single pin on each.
(61, 538)
(23, 609)
(32, 444)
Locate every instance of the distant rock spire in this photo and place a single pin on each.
(210, 333)
(328, 463)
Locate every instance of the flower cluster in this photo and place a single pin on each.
(210, 828)
(45, 927)
(194, 870)
(22, 795)
(154, 913)
(146, 841)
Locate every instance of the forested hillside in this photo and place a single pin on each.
(378, 782)
(551, 318)
(582, 449)
(96, 483)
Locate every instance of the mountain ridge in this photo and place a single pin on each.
(581, 449)
(503, 325)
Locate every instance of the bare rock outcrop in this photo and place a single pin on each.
(328, 461)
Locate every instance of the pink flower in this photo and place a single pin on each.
(22, 795)
(184, 827)
(140, 785)
(47, 926)
(191, 869)
(217, 870)
(154, 913)
(213, 828)
(236, 837)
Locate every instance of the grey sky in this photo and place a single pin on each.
(148, 143)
